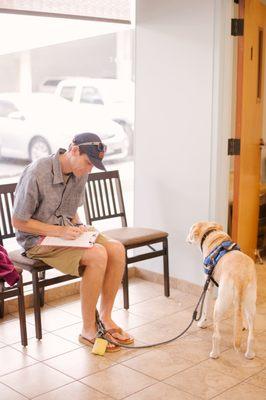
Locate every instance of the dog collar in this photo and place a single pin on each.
(205, 236)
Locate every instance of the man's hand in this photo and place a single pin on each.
(84, 228)
(71, 232)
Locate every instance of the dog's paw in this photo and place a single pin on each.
(250, 355)
(214, 354)
(202, 324)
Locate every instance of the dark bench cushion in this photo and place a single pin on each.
(134, 236)
(26, 263)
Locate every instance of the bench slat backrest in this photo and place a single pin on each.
(6, 204)
(104, 197)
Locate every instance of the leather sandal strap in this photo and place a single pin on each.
(115, 330)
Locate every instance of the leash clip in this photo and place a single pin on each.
(100, 325)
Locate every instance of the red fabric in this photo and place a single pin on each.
(7, 269)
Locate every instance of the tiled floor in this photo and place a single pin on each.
(60, 368)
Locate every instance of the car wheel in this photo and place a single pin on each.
(130, 135)
(39, 147)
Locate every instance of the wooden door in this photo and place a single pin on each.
(248, 125)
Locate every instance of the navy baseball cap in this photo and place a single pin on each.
(92, 145)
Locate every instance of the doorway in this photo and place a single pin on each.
(247, 195)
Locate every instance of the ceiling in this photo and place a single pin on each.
(118, 10)
(24, 32)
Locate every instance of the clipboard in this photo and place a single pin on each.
(85, 240)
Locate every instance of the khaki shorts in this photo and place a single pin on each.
(65, 259)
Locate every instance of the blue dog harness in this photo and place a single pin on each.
(212, 259)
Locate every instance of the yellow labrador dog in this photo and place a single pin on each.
(236, 276)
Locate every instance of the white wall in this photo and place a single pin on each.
(178, 123)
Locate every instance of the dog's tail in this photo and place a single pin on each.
(238, 315)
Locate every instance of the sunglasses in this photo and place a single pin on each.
(100, 146)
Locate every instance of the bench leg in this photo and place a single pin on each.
(36, 303)
(125, 288)
(22, 314)
(41, 276)
(166, 268)
(2, 302)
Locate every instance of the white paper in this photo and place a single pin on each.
(86, 239)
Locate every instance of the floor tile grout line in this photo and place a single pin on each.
(76, 380)
(73, 380)
(255, 373)
(59, 387)
(48, 311)
(198, 363)
(44, 362)
(142, 373)
(49, 391)
(225, 374)
(9, 387)
(68, 340)
(138, 391)
(138, 315)
(232, 387)
(19, 369)
(21, 351)
(185, 391)
(118, 307)
(84, 384)
(157, 319)
(66, 352)
(121, 398)
(253, 384)
(163, 379)
(98, 390)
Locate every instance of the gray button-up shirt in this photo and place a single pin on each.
(42, 194)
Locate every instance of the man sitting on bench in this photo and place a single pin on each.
(47, 197)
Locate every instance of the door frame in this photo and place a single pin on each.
(222, 110)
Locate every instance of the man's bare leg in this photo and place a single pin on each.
(112, 280)
(94, 261)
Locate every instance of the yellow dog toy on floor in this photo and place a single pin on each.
(99, 346)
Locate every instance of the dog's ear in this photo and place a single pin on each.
(216, 226)
(194, 233)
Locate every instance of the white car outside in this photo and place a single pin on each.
(114, 96)
(37, 124)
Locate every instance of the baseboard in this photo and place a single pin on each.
(175, 283)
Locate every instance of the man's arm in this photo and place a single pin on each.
(43, 229)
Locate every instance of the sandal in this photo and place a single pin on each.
(128, 341)
(90, 342)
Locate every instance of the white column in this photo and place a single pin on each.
(124, 54)
(180, 128)
(25, 79)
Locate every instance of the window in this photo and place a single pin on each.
(52, 82)
(68, 92)
(90, 95)
(6, 107)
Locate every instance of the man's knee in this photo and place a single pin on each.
(115, 248)
(95, 256)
